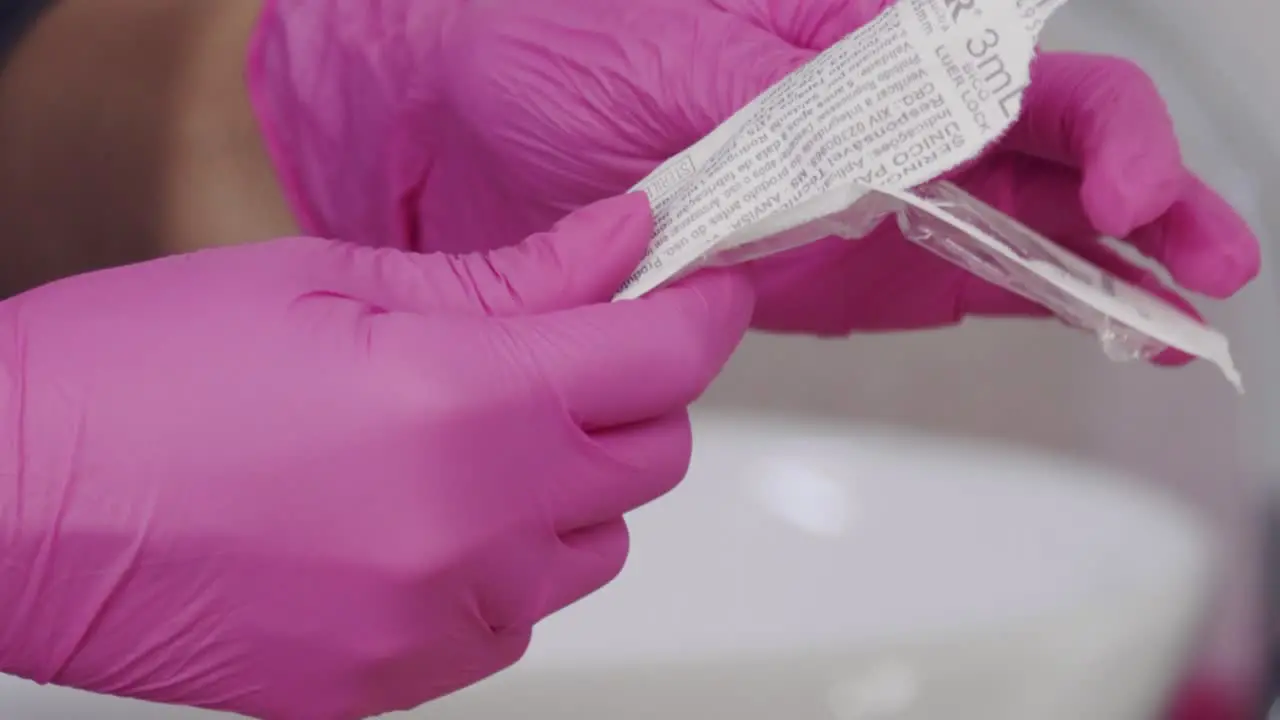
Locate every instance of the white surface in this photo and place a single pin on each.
(803, 572)
(806, 570)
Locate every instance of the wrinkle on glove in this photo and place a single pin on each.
(310, 480)
(537, 108)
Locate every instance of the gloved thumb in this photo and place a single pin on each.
(584, 259)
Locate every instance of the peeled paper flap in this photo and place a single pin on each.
(925, 86)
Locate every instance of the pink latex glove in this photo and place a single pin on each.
(435, 122)
(311, 480)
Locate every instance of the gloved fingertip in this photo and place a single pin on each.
(598, 247)
(1214, 274)
(1210, 249)
(1122, 195)
(631, 210)
(614, 233)
(723, 299)
(629, 239)
(582, 260)
(1224, 277)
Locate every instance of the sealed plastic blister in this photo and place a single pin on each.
(1129, 322)
(964, 247)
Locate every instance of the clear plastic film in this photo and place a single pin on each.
(1120, 341)
(1129, 322)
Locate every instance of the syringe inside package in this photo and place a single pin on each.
(864, 131)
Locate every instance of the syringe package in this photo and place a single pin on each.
(864, 131)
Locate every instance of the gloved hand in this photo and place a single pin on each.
(306, 479)
(455, 121)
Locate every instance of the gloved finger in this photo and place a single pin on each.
(1091, 249)
(593, 558)
(812, 24)
(1206, 246)
(518, 581)
(629, 466)
(1105, 116)
(584, 259)
(625, 362)
(1042, 195)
